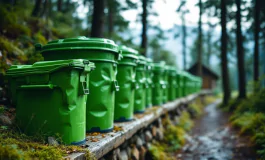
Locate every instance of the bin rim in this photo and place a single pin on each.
(141, 60)
(48, 67)
(158, 66)
(79, 43)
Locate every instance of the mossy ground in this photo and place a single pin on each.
(15, 145)
(248, 116)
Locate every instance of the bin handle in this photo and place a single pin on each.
(115, 86)
(120, 55)
(45, 86)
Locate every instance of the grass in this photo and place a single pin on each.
(248, 116)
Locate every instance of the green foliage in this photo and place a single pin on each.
(2, 109)
(196, 109)
(185, 121)
(10, 152)
(249, 117)
(158, 151)
(249, 122)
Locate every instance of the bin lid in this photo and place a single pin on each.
(142, 59)
(129, 52)
(49, 66)
(80, 42)
(172, 70)
(149, 63)
(158, 66)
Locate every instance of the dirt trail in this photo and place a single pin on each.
(213, 139)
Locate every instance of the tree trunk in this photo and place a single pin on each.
(240, 54)
(184, 32)
(256, 37)
(199, 71)
(36, 9)
(209, 45)
(225, 75)
(144, 28)
(110, 17)
(59, 5)
(98, 18)
(45, 8)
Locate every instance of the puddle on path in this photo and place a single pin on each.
(213, 139)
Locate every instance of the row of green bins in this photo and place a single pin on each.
(124, 99)
(179, 79)
(165, 83)
(172, 83)
(140, 93)
(50, 98)
(105, 54)
(149, 75)
(184, 84)
(158, 82)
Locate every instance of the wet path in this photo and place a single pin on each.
(213, 139)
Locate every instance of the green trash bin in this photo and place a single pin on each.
(149, 75)
(124, 99)
(172, 83)
(105, 54)
(184, 84)
(165, 83)
(158, 82)
(50, 98)
(179, 84)
(140, 93)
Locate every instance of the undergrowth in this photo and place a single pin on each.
(249, 116)
(14, 145)
(196, 107)
(174, 137)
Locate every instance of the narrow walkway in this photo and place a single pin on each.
(213, 139)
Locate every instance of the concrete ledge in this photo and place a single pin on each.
(100, 144)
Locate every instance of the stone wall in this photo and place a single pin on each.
(131, 140)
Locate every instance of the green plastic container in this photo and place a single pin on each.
(165, 83)
(150, 85)
(172, 83)
(124, 99)
(158, 82)
(186, 84)
(179, 81)
(140, 93)
(182, 83)
(105, 54)
(50, 98)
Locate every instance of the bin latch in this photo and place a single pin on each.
(115, 87)
(83, 80)
(85, 89)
